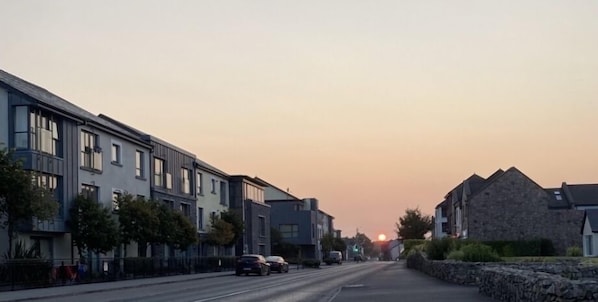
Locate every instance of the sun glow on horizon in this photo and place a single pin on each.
(381, 237)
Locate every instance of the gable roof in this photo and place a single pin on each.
(58, 104)
(458, 190)
(592, 216)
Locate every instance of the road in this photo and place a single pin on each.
(374, 281)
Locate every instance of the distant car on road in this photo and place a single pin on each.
(334, 257)
(277, 264)
(252, 264)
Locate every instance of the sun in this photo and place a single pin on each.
(381, 237)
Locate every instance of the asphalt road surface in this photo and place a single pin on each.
(373, 281)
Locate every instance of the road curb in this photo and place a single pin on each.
(91, 291)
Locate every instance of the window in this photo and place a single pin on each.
(223, 193)
(36, 130)
(262, 224)
(139, 162)
(185, 209)
(116, 153)
(90, 192)
(254, 193)
(589, 247)
(185, 181)
(198, 183)
(289, 230)
(159, 172)
(91, 153)
(169, 203)
(199, 218)
(116, 194)
(213, 188)
(262, 249)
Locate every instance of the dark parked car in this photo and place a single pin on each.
(252, 264)
(278, 264)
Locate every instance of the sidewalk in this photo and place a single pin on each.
(72, 290)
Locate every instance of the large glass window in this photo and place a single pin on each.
(289, 230)
(254, 193)
(158, 172)
(36, 130)
(91, 153)
(185, 181)
(116, 153)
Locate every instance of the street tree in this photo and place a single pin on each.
(221, 233)
(138, 222)
(184, 232)
(92, 226)
(413, 225)
(237, 222)
(21, 200)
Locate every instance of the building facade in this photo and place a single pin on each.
(247, 200)
(213, 198)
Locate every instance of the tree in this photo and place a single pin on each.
(413, 225)
(20, 199)
(184, 232)
(237, 222)
(327, 242)
(92, 226)
(221, 233)
(137, 221)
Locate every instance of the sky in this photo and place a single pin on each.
(372, 107)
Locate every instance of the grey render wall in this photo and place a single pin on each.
(115, 177)
(3, 118)
(210, 201)
(513, 207)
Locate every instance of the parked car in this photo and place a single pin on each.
(278, 264)
(334, 257)
(252, 264)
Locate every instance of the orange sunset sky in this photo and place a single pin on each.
(372, 107)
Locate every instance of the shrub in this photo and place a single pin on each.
(408, 244)
(456, 255)
(314, 263)
(477, 252)
(574, 251)
(521, 248)
(438, 249)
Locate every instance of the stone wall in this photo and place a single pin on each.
(526, 281)
(509, 284)
(513, 207)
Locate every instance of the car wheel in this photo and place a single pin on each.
(268, 271)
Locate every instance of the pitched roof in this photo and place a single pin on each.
(61, 105)
(144, 135)
(557, 199)
(592, 216)
(582, 195)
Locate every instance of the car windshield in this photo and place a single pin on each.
(273, 258)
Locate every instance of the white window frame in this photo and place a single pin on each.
(119, 153)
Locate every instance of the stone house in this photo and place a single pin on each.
(508, 205)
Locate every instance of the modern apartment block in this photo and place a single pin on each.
(71, 151)
(247, 199)
(299, 221)
(171, 178)
(212, 190)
